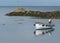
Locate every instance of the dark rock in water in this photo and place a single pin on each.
(19, 23)
(24, 12)
(3, 24)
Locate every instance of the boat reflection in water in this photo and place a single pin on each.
(38, 32)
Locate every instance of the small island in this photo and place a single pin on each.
(25, 12)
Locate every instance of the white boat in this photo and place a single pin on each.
(40, 25)
(43, 28)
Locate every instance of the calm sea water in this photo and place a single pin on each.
(19, 29)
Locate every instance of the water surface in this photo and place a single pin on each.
(20, 29)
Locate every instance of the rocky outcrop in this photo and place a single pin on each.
(24, 12)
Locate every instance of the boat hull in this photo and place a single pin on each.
(43, 27)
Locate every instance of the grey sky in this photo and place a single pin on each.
(29, 2)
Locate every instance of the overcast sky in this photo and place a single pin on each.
(29, 2)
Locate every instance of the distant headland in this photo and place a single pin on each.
(25, 12)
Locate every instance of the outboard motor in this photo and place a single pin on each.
(50, 21)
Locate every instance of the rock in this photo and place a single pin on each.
(25, 12)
